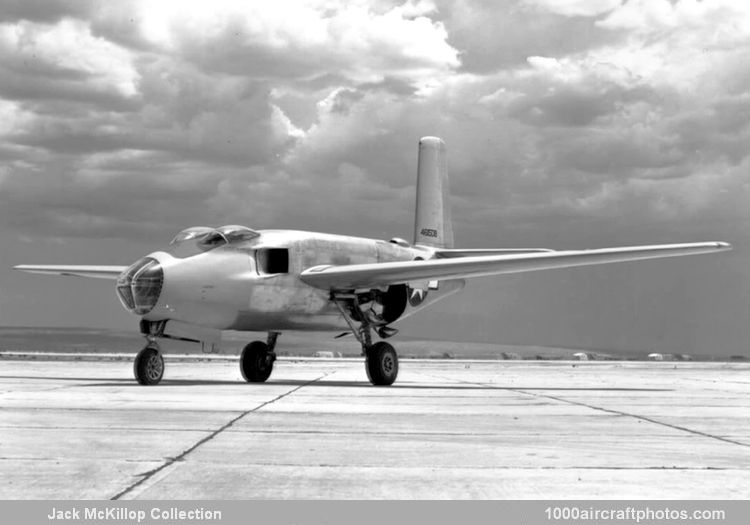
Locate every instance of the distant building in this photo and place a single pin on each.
(656, 357)
(510, 355)
(581, 356)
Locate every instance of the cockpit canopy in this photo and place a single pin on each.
(198, 239)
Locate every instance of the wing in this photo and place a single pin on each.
(97, 272)
(359, 276)
(451, 253)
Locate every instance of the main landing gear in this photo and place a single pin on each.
(381, 360)
(381, 363)
(256, 361)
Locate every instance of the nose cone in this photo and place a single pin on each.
(140, 285)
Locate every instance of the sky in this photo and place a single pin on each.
(569, 124)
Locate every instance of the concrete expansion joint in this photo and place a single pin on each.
(170, 461)
(646, 419)
(608, 411)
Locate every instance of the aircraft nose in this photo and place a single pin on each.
(140, 285)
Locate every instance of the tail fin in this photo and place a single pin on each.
(432, 221)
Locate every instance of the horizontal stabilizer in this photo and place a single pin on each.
(97, 272)
(361, 276)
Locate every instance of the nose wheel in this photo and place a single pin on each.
(148, 366)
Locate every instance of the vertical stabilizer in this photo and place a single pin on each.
(432, 220)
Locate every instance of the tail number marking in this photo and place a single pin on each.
(429, 232)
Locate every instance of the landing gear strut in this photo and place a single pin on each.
(381, 360)
(148, 366)
(256, 361)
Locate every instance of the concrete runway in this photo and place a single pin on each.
(317, 429)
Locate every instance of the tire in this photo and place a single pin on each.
(382, 364)
(256, 362)
(148, 366)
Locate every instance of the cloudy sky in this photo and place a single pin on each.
(569, 124)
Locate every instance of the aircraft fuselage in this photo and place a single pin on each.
(255, 285)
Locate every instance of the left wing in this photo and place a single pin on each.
(97, 272)
(359, 276)
(444, 253)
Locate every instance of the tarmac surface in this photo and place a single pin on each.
(318, 430)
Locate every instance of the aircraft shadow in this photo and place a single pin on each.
(129, 382)
(366, 384)
(69, 378)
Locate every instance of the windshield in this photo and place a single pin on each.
(198, 239)
(236, 233)
(190, 234)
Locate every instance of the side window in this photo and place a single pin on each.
(272, 260)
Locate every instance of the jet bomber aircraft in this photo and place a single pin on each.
(235, 278)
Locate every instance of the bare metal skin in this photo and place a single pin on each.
(225, 289)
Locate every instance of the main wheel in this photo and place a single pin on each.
(148, 366)
(256, 362)
(382, 364)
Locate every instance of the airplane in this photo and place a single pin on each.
(236, 278)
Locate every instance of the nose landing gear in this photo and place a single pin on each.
(148, 366)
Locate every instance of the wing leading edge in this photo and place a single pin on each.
(359, 276)
(97, 272)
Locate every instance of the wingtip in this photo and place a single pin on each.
(721, 245)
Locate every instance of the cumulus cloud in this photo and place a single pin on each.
(554, 110)
(300, 39)
(575, 7)
(493, 36)
(62, 60)
(633, 129)
(110, 108)
(49, 12)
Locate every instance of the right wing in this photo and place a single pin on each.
(97, 272)
(375, 275)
